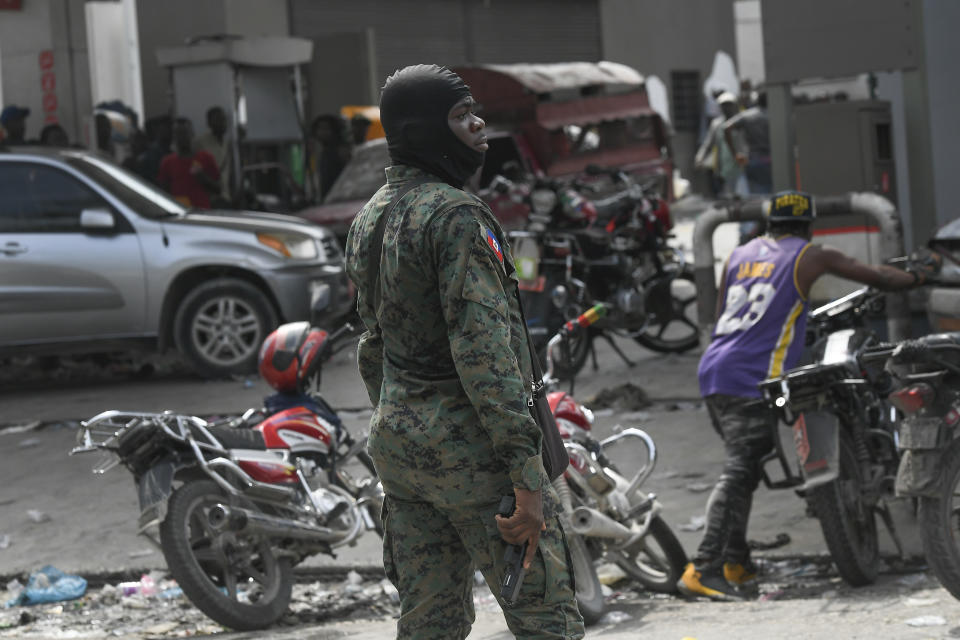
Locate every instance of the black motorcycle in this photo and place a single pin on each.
(844, 433)
(577, 252)
(927, 391)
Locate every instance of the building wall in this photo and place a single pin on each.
(372, 38)
(114, 54)
(942, 52)
(890, 88)
(45, 64)
(658, 38)
(173, 22)
(256, 17)
(165, 24)
(749, 30)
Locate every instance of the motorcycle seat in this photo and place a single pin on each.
(234, 438)
(594, 236)
(609, 207)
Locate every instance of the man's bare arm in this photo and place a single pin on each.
(818, 260)
(739, 156)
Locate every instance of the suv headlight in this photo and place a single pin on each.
(289, 245)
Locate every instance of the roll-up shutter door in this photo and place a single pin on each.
(456, 32)
(405, 31)
(504, 32)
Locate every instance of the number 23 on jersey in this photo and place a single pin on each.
(744, 307)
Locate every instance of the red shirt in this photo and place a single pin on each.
(176, 178)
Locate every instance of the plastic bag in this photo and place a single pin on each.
(49, 584)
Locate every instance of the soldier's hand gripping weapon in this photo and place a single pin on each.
(512, 557)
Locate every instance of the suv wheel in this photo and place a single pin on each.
(221, 324)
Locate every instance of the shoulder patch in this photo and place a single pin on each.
(493, 243)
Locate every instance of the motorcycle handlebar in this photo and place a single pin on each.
(339, 333)
(331, 345)
(880, 351)
(585, 319)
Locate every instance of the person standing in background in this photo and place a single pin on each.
(753, 125)
(714, 154)
(190, 176)
(159, 138)
(13, 120)
(217, 143)
(53, 135)
(332, 150)
(359, 126)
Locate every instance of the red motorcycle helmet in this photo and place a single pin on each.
(290, 354)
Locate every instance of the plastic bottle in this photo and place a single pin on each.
(148, 586)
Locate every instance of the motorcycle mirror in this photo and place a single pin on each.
(558, 296)
(319, 296)
(500, 184)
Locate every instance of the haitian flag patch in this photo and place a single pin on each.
(492, 241)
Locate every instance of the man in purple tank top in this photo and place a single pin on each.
(759, 333)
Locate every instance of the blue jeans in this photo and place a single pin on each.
(759, 174)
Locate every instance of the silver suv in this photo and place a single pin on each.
(93, 258)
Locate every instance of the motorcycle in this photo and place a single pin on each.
(235, 505)
(844, 433)
(606, 515)
(576, 252)
(926, 372)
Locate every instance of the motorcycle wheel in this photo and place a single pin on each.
(849, 526)
(940, 522)
(672, 305)
(233, 578)
(657, 560)
(589, 590)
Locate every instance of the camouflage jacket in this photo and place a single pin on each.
(447, 369)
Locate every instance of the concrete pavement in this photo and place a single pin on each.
(909, 607)
(92, 518)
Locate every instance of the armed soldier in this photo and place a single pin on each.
(447, 370)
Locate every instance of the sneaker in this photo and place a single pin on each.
(739, 574)
(708, 583)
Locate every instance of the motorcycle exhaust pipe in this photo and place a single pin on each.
(237, 520)
(589, 522)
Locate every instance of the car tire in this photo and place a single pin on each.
(220, 325)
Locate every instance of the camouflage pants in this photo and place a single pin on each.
(430, 554)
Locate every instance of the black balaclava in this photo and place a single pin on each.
(414, 106)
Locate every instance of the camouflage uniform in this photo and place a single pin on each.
(451, 432)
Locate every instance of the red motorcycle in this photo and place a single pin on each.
(234, 506)
(606, 515)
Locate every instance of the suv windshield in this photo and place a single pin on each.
(363, 174)
(136, 193)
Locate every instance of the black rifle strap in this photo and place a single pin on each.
(376, 243)
(534, 360)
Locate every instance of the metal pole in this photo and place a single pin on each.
(782, 141)
(878, 208)
(236, 189)
(703, 258)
